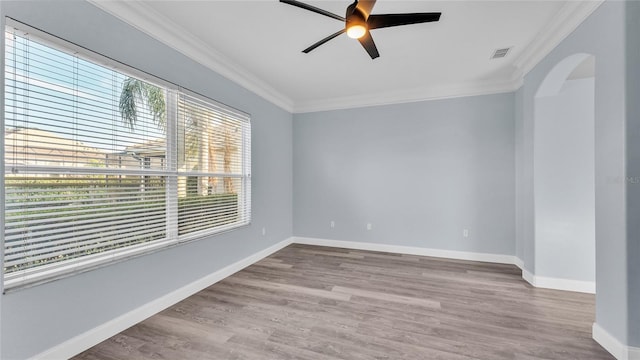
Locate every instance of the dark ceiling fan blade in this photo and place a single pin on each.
(323, 41)
(366, 6)
(313, 8)
(387, 20)
(369, 45)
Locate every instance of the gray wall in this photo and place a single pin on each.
(420, 173)
(564, 182)
(633, 169)
(41, 317)
(525, 224)
(603, 35)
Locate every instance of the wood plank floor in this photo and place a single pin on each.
(308, 302)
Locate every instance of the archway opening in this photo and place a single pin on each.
(564, 174)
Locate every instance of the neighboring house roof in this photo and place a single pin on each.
(156, 147)
(31, 146)
(34, 146)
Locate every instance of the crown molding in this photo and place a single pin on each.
(149, 21)
(163, 29)
(565, 21)
(409, 95)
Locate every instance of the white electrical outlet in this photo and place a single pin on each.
(332, 224)
(368, 226)
(465, 232)
(264, 231)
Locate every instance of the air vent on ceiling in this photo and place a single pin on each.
(500, 53)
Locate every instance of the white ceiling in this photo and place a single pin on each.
(258, 44)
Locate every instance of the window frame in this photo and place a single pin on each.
(173, 93)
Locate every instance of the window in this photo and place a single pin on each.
(101, 165)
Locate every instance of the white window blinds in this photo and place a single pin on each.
(214, 147)
(100, 165)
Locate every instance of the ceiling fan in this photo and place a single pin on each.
(359, 20)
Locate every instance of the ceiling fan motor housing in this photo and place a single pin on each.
(358, 21)
(355, 17)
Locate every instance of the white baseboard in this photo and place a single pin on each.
(588, 287)
(519, 263)
(409, 250)
(537, 281)
(612, 345)
(98, 334)
(528, 277)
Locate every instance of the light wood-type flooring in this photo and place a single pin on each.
(309, 302)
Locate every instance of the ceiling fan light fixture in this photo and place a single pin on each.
(356, 22)
(359, 20)
(356, 31)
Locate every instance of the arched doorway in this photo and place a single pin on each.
(564, 176)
